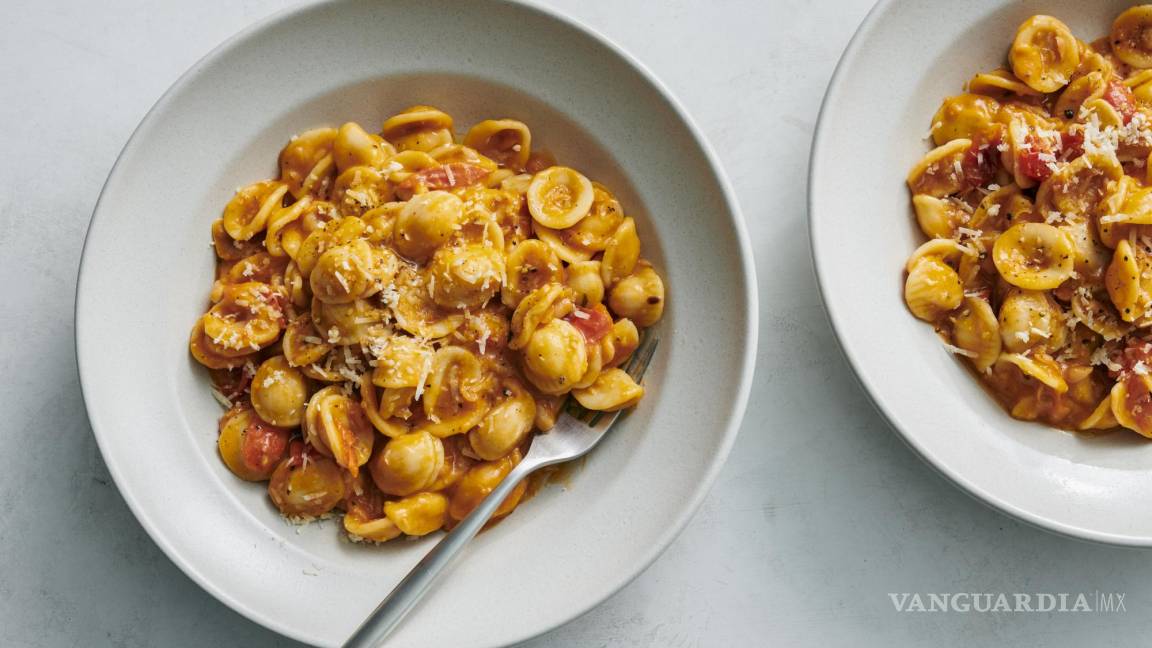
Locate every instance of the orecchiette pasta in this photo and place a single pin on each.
(559, 197)
(397, 314)
(307, 165)
(279, 392)
(1045, 54)
(1037, 200)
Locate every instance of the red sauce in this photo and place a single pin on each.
(1121, 99)
(1071, 145)
(1032, 166)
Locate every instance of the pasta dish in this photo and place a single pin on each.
(1037, 203)
(397, 314)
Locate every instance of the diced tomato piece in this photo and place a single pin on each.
(1121, 99)
(298, 449)
(1032, 165)
(447, 176)
(593, 323)
(1071, 145)
(264, 445)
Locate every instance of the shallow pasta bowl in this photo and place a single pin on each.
(907, 56)
(147, 265)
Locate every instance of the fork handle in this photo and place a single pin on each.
(409, 591)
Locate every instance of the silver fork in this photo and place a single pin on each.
(577, 431)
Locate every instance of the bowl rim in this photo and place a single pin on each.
(840, 323)
(745, 370)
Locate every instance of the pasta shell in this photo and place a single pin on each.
(1099, 315)
(335, 425)
(1029, 319)
(532, 264)
(342, 364)
(559, 197)
(427, 221)
(966, 116)
(1109, 232)
(321, 239)
(1035, 256)
(1080, 186)
(639, 296)
(1000, 83)
(212, 355)
(417, 313)
(623, 340)
(1001, 208)
(419, 514)
(1131, 401)
(613, 390)
(228, 248)
(1044, 54)
(401, 361)
(279, 392)
(420, 128)
(288, 227)
(351, 271)
(248, 317)
(1101, 418)
(976, 330)
(1039, 367)
(1136, 208)
(458, 154)
(938, 217)
(360, 189)
(407, 464)
(940, 173)
(1102, 112)
(354, 146)
(1130, 39)
(479, 481)
(542, 305)
(1123, 281)
(302, 344)
(1087, 87)
(621, 254)
(456, 398)
(948, 251)
(586, 280)
(250, 447)
(247, 213)
(1089, 257)
(374, 530)
(506, 425)
(467, 276)
(307, 489)
(507, 141)
(556, 357)
(348, 323)
(306, 163)
(932, 289)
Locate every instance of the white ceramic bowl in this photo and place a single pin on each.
(907, 56)
(147, 267)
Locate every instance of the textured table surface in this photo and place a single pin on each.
(820, 512)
